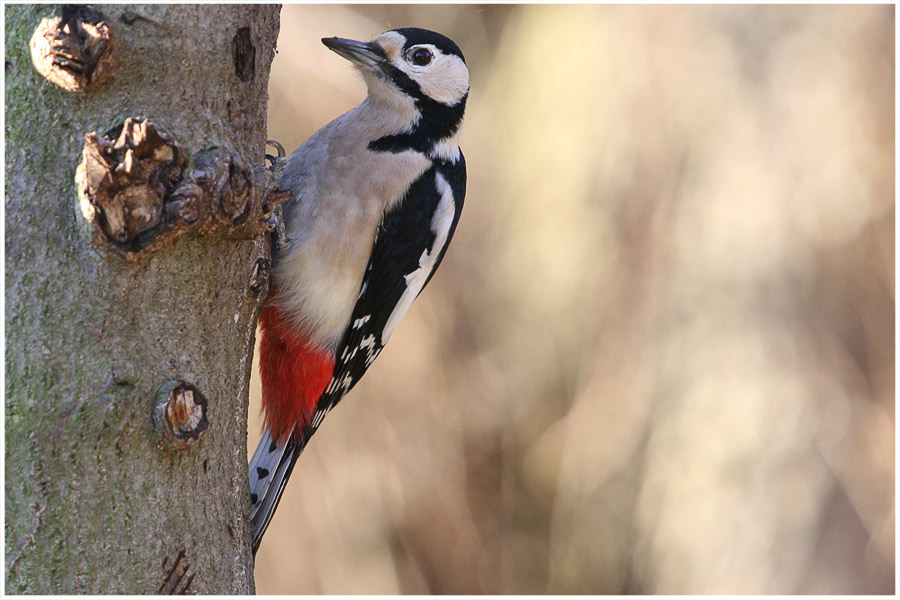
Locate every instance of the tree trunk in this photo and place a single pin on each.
(98, 498)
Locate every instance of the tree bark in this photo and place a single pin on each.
(98, 500)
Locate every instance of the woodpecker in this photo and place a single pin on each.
(375, 199)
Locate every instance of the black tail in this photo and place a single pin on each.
(270, 468)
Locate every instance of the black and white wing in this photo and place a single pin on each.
(410, 244)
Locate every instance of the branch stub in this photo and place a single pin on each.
(179, 415)
(74, 50)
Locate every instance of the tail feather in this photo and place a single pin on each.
(270, 467)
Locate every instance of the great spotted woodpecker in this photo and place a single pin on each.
(376, 196)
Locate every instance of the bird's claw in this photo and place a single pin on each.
(273, 160)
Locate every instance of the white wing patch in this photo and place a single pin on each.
(368, 343)
(440, 226)
(447, 149)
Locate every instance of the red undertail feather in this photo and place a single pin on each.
(294, 374)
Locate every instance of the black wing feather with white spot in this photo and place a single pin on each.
(405, 234)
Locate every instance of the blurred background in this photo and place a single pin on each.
(659, 355)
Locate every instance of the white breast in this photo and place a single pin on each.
(340, 192)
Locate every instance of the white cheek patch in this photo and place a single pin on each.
(446, 79)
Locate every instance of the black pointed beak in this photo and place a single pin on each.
(360, 53)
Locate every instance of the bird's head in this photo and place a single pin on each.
(417, 63)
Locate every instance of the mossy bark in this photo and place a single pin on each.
(93, 502)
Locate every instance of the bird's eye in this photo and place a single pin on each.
(420, 56)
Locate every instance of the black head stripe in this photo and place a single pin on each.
(403, 81)
(415, 36)
(437, 123)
